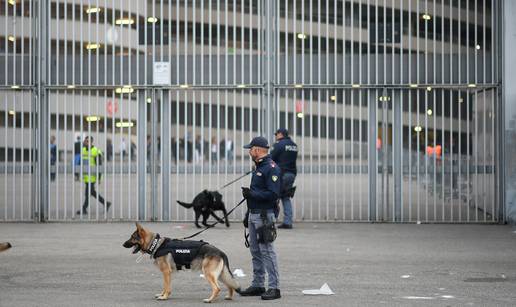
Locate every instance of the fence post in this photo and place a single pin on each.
(41, 81)
(142, 151)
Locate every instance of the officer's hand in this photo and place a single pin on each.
(246, 192)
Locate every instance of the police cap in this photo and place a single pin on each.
(258, 141)
(282, 131)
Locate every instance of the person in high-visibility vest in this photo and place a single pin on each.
(90, 156)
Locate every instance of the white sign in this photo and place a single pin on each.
(161, 73)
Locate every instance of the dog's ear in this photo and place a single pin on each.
(140, 229)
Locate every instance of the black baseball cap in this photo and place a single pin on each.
(282, 131)
(258, 141)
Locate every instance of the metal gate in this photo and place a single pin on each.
(392, 103)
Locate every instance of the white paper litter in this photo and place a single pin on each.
(325, 290)
(405, 276)
(448, 296)
(239, 273)
(418, 298)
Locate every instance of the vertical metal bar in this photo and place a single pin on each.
(22, 177)
(352, 79)
(269, 70)
(303, 104)
(452, 186)
(327, 110)
(13, 144)
(427, 179)
(360, 141)
(185, 142)
(443, 147)
(385, 168)
(142, 170)
(154, 153)
(226, 69)
(43, 111)
(397, 150)
(418, 149)
(493, 76)
(165, 150)
(336, 118)
(319, 132)
(311, 118)
(372, 158)
(484, 141)
(468, 154)
(484, 47)
(459, 154)
(6, 118)
(434, 109)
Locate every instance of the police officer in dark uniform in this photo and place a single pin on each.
(262, 197)
(284, 153)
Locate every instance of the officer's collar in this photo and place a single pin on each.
(261, 159)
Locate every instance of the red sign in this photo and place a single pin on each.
(112, 107)
(299, 106)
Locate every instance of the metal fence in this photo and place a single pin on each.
(392, 104)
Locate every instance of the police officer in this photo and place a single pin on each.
(262, 199)
(90, 156)
(284, 153)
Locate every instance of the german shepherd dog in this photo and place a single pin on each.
(210, 260)
(205, 203)
(5, 246)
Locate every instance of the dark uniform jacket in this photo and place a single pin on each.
(284, 153)
(265, 185)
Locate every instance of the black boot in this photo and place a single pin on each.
(252, 291)
(285, 226)
(271, 294)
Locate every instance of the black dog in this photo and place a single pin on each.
(205, 203)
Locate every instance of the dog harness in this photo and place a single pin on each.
(183, 251)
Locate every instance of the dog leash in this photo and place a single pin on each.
(210, 226)
(233, 181)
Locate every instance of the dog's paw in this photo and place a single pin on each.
(158, 295)
(162, 297)
(228, 298)
(207, 300)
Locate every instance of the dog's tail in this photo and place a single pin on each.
(186, 205)
(5, 246)
(227, 277)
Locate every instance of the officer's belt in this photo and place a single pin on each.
(259, 211)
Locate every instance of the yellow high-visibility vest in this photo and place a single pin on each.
(89, 157)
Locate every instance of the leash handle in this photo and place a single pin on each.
(210, 226)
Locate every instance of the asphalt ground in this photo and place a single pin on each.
(84, 264)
